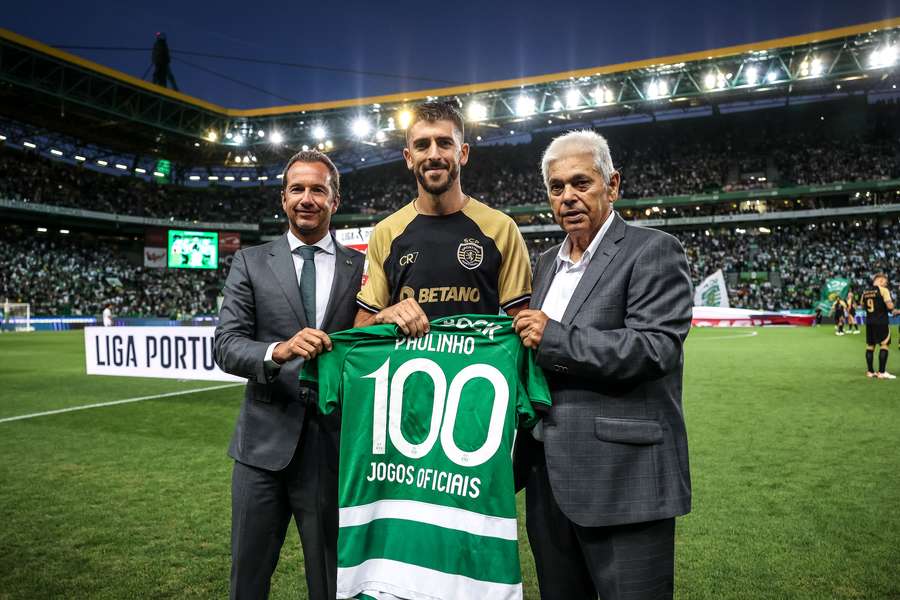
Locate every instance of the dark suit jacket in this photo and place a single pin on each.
(262, 305)
(614, 439)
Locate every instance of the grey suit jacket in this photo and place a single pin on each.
(262, 305)
(614, 439)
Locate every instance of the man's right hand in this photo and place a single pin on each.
(407, 315)
(307, 343)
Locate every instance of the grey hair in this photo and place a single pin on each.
(583, 141)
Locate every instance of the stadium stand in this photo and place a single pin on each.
(759, 150)
(76, 276)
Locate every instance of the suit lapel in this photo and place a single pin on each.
(344, 270)
(543, 278)
(606, 250)
(282, 264)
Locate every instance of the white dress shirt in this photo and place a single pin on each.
(568, 274)
(324, 260)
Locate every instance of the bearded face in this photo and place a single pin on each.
(435, 155)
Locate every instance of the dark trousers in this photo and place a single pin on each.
(633, 562)
(262, 503)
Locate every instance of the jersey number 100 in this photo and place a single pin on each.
(387, 418)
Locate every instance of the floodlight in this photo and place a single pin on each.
(525, 106)
(816, 67)
(573, 98)
(212, 135)
(404, 118)
(276, 137)
(477, 111)
(751, 75)
(361, 127)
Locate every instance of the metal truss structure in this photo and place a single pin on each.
(79, 108)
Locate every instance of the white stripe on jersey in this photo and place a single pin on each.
(355, 580)
(431, 514)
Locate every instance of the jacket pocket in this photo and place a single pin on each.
(628, 431)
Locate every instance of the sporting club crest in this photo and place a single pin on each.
(470, 253)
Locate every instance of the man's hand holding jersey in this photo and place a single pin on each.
(406, 314)
(530, 324)
(307, 343)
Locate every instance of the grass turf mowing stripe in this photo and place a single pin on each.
(116, 402)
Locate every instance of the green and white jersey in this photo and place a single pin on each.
(426, 496)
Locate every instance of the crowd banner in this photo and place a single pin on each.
(832, 289)
(160, 352)
(712, 292)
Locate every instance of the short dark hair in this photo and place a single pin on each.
(439, 111)
(313, 156)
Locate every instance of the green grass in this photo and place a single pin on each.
(793, 455)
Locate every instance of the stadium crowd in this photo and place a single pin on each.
(785, 267)
(660, 159)
(61, 276)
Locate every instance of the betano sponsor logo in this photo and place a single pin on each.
(443, 294)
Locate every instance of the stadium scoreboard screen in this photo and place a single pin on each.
(193, 249)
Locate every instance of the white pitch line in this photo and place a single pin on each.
(731, 337)
(115, 402)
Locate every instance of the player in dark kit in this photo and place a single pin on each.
(852, 324)
(838, 309)
(444, 253)
(879, 305)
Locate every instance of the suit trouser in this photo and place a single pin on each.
(633, 561)
(262, 503)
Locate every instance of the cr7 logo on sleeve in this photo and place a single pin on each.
(408, 259)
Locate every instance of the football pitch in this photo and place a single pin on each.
(794, 458)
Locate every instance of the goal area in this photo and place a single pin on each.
(16, 316)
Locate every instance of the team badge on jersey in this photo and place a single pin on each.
(470, 253)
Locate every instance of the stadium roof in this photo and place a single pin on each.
(60, 93)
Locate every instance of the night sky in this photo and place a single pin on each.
(445, 42)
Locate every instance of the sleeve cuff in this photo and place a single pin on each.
(269, 363)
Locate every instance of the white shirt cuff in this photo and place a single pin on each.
(268, 361)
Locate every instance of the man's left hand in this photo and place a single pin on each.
(529, 324)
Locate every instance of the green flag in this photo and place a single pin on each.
(832, 289)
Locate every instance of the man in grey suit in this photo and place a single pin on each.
(280, 299)
(607, 470)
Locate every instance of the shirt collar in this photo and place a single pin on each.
(563, 256)
(326, 244)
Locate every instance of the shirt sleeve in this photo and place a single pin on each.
(534, 394)
(375, 294)
(327, 371)
(515, 270)
(886, 295)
